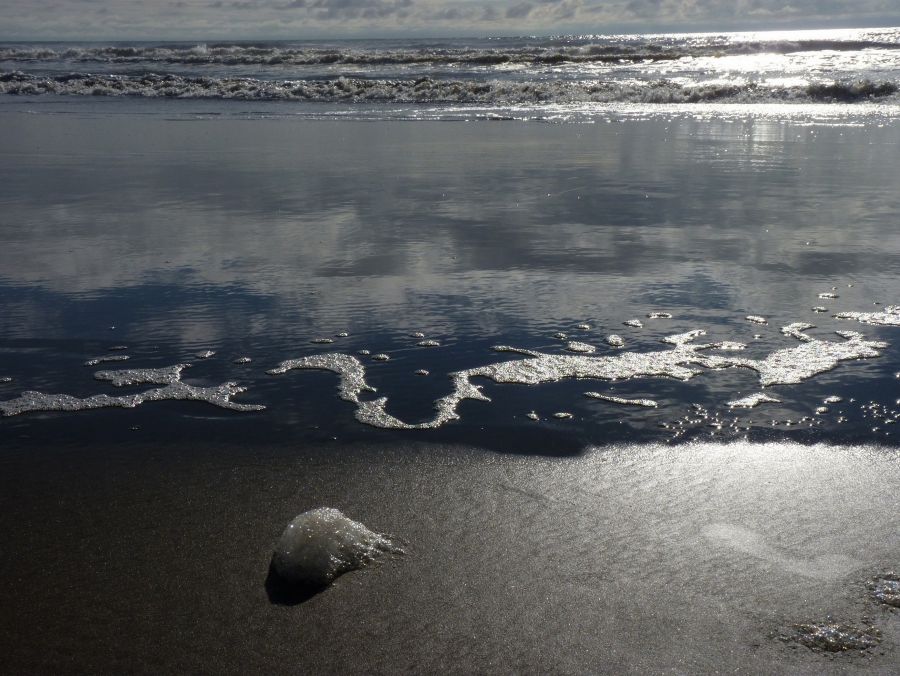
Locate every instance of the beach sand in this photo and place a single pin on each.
(624, 559)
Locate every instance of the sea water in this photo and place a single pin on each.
(682, 260)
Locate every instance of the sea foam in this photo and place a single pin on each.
(169, 376)
(321, 544)
(686, 360)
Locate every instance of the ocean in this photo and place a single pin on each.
(563, 78)
(604, 329)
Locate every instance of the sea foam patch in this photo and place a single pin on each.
(684, 358)
(833, 637)
(753, 400)
(105, 358)
(173, 389)
(684, 361)
(890, 316)
(886, 589)
(646, 403)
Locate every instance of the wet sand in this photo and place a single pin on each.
(648, 559)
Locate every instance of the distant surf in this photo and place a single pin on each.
(503, 73)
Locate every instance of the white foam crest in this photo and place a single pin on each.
(440, 91)
(613, 50)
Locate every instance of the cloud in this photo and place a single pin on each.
(259, 19)
(342, 10)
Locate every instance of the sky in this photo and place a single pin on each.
(261, 19)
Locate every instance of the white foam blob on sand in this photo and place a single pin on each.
(583, 327)
(205, 354)
(756, 319)
(563, 415)
(583, 348)
(828, 295)
(428, 343)
(753, 400)
(322, 341)
(687, 360)
(615, 341)
(646, 403)
(170, 377)
(243, 360)
(532, 415)
(321, 544)
(659, 315)
(634, 323)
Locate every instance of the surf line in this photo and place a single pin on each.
(683, 361)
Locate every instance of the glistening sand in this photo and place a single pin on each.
(621, 560)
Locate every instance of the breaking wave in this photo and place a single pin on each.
(428, 90)
(263, 54)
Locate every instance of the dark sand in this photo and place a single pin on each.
(621, 560)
